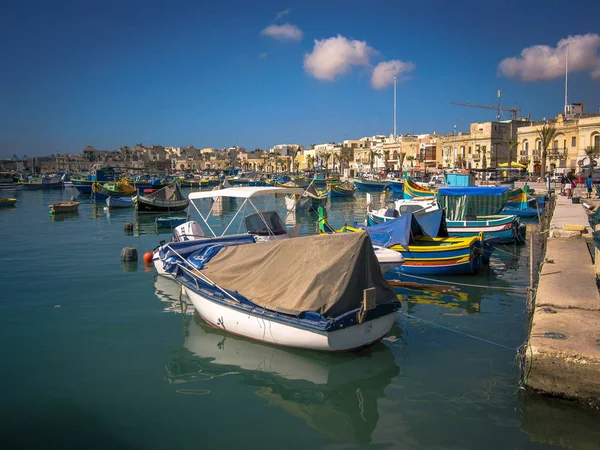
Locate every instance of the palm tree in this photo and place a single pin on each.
(293, 153)
(372, 155)
(325, 157)
(310, 161)
(546, 135)
(592, 152)
(386, 156)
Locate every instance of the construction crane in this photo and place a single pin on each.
(514, 111)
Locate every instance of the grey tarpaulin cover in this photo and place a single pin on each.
(324, 273)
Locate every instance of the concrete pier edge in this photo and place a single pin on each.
(562, 352)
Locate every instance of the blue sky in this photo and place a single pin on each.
(212, 74)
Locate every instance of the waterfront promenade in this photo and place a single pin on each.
(563, 352)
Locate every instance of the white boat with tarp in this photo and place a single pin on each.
(262, 224)
(323, 292)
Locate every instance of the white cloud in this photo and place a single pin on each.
(263, 55)
(283, 32)
(335, 56)
(384, 72)
(283, 13)
(541, 62)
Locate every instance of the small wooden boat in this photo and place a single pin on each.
(119, 202)
(7, 201)
(63, 207)
(165, 200)
(346, 189)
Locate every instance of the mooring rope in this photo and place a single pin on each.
(459, 332)
(453, 283)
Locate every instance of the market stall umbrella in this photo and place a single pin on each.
(516, 165)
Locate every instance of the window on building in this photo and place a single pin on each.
(469, 149)
(526, 145)
(539, 145)
(565, 143)
(597, 140)
(573, 141)
(555, 144)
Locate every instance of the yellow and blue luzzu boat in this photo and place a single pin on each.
(425, 245)
(414, 190)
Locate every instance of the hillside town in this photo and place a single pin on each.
(576, 142)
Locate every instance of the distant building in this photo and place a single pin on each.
(575, 134)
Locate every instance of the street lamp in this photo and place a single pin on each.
(454, 150)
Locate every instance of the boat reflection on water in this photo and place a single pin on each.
(336, 394)
(169, 292)
(449, 297)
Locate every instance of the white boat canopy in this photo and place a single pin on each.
(245, 192)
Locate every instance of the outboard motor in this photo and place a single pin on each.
(188, 231)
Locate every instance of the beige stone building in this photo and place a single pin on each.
(567, 152)
(486, 145)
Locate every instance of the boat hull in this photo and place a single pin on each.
(259, 328)
(40, 186)
(366, 185)
(147, 206)
(119, 202)
(396, 186)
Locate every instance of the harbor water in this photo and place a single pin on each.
(100, 354)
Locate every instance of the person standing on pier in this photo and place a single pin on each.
(589, 184)
(570, 185)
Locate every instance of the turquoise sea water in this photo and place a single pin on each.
(97, 354)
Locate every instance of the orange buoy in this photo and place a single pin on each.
(148, 257)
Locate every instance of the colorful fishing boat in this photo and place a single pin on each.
(320, 180)
(7, 201)
(414, 190)
(521, 205)
(63, 207)
(426, 247)
(397, 186)
(345, 189)
(166, 200)
(122, 188)
(44, 182)
(364, 184)
(84, 185)
(471, 210)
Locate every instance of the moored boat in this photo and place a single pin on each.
(423, 241)
(45, 182)
(414, 190)
(346, 189)
(119, 202)
(165, 200)
(318, 292)
(63, 207)
(369, 185)
(8, 181)
(7, 201)
(397, 186)
(122, 188)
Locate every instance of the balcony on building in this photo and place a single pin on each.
(557, 153)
